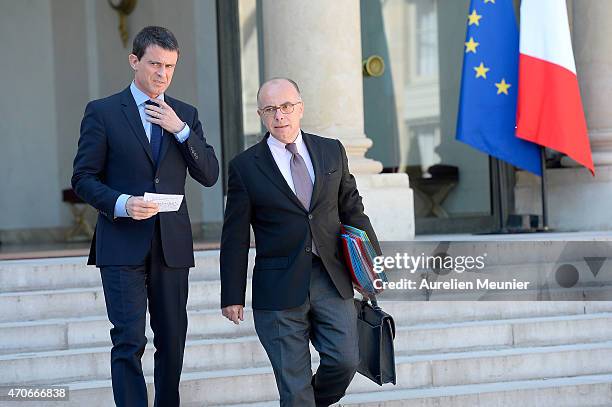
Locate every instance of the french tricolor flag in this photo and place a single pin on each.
(549, 108)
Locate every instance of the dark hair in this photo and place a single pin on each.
(291, 81)
(154, 35)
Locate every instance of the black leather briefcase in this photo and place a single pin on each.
(376, 331)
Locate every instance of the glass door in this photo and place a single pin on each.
(411, 113)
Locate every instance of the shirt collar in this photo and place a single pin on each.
(279, 144)
(139, 96)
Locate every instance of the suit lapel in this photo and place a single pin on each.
(130, 110)
(318, 163)
(265, 162)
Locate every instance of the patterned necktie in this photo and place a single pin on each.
(301, 179)
(156, 135)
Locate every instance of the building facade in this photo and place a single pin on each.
(62, 53)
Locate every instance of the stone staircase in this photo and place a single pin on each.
(54, 331)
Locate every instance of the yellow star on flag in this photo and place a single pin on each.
(489, 1)
(502, 87)
(481, 71)
(474, 18)
(471, 45)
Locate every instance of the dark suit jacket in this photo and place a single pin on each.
(259, 195)
(114, 157)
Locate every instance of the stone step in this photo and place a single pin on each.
(69, 333)
(93, 363)
(538, 282)
(64, 333)
(525, 249)
(73, 272)
(58, 334)
(584, 391)
(206, 388)
(578, 293)
(521, 332)
(258, 385)
(80, 302)
(89, 301)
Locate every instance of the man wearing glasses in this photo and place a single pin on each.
(295, 190)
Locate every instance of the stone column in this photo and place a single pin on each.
(317, 43)
(592, 43)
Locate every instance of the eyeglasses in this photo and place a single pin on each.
(285, 108)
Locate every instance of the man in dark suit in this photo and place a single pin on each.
(141, 140)
(295, 190)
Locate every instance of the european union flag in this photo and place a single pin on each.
(487, 105)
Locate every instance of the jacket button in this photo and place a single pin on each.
(308, 250)
(157, 180)
(310, 216)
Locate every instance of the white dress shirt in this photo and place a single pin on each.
(140, 98)
(282, 157)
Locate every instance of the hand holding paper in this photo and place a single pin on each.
(138, 209)
(166, 202)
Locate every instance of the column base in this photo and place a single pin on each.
(389, 203)
(356, 144)
(600, 158)
(577, 201)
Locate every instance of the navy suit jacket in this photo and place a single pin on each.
(258, 195)
(114, 157)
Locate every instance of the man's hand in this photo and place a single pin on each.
(164, 116)
(137, 208)
(234, 313)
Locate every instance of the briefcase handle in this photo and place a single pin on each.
(388, 319)
(372, 298)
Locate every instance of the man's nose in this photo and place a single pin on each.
(278, 115)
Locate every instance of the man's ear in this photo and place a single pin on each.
(133, 59)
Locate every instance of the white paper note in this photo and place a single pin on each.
(166, 202)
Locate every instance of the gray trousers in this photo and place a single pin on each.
(330, 322)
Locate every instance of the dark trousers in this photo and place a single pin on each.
(126, 291)
(330, 322)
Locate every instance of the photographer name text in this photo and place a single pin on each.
(452, 284)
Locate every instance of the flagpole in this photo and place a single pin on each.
(501, 198)
(544, 199)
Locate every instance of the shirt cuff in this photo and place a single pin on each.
(120, 211)
(183, 135)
